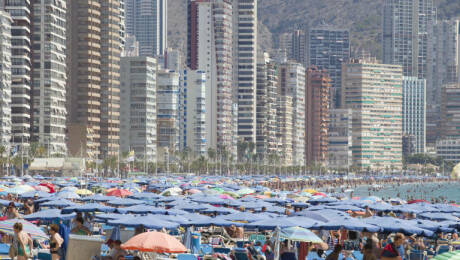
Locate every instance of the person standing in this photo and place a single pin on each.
(55, 242)
(22, 243)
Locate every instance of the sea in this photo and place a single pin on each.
(449, 191)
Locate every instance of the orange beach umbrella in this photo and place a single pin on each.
(157, 242)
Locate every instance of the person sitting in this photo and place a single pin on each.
(79, 228)
(391, 250)
(368, 254)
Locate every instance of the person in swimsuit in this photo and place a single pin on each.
(12, 212)
(79, 228)
(24, 242)
(55, 242)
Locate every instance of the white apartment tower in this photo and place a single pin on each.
(209, 49)
(245, 66)
(5, 79)
(194, 126)
(406, 26)
(138, 129)
(49, 75)
(21, 69)
(292, 83)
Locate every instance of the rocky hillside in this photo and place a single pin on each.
(362, 17)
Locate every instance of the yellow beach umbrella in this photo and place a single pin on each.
(83, 192)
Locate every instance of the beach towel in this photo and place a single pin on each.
(64, 231)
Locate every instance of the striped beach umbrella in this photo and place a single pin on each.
(34, 231)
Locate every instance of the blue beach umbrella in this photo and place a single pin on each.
(59, 203)
(90, 207)
(246, 216)
(141, 209)
(49, 214)
(124, 202)
(393, 225)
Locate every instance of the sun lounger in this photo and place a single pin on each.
(221, 250)
(186, 257)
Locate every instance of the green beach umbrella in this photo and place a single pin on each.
(453, 255)
(299, 234)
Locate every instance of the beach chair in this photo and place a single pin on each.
(288, 256)
(313, 256)
(221, 250)
(241, 254)
(357, 255)
(417, 255)
(206, 249)
(186, 257)
(442, 249)
(216, 241)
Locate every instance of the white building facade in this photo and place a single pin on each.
(138, 124)
(49, 75)
(5, 79)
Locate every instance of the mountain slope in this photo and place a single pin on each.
(362, 17)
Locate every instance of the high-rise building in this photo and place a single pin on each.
(316, 115)
(173, 60)
(147, 20)
(328, 48)
(5, 79)
(298, 50)
(111, 43)
(21, 70)
(285, 42)
(450, 111)
(448, 149)
(49, 75)
(193, 112)
(340, 139)
(209, 49)
(414, 110)
(138, 124)
(292, 83)
(405, 34)
(131, 48)
(168, 118)
(443, 68)
(267, 80)
(374, 92)
(284, 114)
(84, 77)
(245, 66)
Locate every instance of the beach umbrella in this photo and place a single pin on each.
(42, 188)
(58, 203)
(299, 234)
(50, 186)
(453, 255)
(348, 223)
(316, 201)
(246, 217)
(109, 216)
(393, 225)
(125, 202)
(67, 195)
(119, 193)
(433, 225)
(245, 191)
(49, 214)
(6, 226)
(417, 201)
(32, 194)
(157, 242)
(218, 222)
(141, 209)
(84, 192)
(145, 196)
(271, 224)
(174, 191)
(90, 207)
(438, 216)
(176, 212)
(20, 189)
(218, 210)
(148, 221)
(97, 197)
(69, 188)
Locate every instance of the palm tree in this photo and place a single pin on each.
(212, 155)
(3, 159)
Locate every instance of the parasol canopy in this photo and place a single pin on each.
(154, 242)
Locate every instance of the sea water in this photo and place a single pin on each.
(450, 191)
